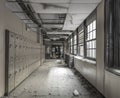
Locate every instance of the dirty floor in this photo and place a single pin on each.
(53, 80)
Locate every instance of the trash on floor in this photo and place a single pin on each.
(76, 93)
(59, 61)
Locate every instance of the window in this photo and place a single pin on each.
(81, 43)
(75, 44)
(71, 45)
(91, 40)
(112, 35)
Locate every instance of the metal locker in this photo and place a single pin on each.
(9, 61)
(17, 63)
(17, 77)
(23, 57)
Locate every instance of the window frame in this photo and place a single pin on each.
(90, 40)
(68, 45)
(112, 38)
(75, 43)
(83, 29)
(71, 44)
(81, 43)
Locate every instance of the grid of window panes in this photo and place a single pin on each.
(81, 43)
(71, 45)
(75, 44)
(91, 40)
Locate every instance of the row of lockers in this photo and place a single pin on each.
(22, 58)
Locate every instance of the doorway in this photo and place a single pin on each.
(54, 52)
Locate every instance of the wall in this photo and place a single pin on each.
(112, 85)
(2, 49)
(100, 47)
(91, 70)
(42, 50)
(87, 68)
(11, 22)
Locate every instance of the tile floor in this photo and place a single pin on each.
(53, 80)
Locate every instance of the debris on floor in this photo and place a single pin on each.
(55, 80)
(59, 61)
(76, 93)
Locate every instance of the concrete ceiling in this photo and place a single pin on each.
(55, 16)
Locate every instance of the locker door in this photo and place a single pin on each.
(18, 62)
(9, 61)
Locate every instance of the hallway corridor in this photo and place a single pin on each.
(54, 80)
(35, 35)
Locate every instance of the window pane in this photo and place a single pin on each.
(94, 25)
(75, 43)
(88, 45)
(90, 35)
(91, 40)
(81, 51)
(91, 44)
(94, 34)
(91, 27)
(94, 44)
(88, 53)
(71, 41)
(88, 28)
(75, 39)
(94, 53)
(81, 42)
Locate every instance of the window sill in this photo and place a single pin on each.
(70, 54)
(86, 60)
(81, 58)
(114, 71)
(90, 61)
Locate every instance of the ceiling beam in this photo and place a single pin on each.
(59, 33)
(62, 31)
(29, 2)
(49, 13)
(44, 19)
(52, 23)
(48, 23)
(21, 12)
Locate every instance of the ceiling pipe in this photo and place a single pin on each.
(28, 11)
